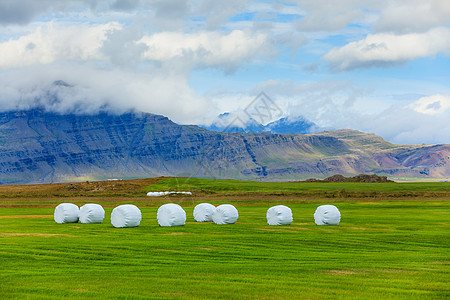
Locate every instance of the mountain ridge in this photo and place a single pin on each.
(228, 122)
(44, 147)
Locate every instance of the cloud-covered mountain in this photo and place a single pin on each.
(38, 147)
(365, 65)
(227, 122)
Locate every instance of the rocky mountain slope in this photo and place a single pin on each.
(42, 147)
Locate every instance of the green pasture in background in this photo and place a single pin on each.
(226, 186)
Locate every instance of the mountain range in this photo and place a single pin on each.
(37, 146)
(232, 123)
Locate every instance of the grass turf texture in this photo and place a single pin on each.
(221, 186)
(383, 248)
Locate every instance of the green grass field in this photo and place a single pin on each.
(384, 248)
(226, 186)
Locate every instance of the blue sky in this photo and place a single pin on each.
(380, 66)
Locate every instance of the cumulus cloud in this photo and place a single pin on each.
(394, 16)
(386, 49)
(90, 90)
(432, 105)
(25, 11)
(208, 49)
(113, 67)
(413, 16)
(121, 48)
(125, 4)
(327, 103)
(398, 123)
(402, 124)
(167, 15)
(52, 42)
(337, 105)
(139, 54)
(128, 46)
(218, 13)
(22, 11)
(163, 15)
(321, 15)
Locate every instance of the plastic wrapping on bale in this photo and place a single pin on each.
(203, 212)
(92, 213)
(225, 214)
(327, 215)
(279, 215)
(126, 215)
(171, 215)
(66, 213)
(185, 193)
(157, 194)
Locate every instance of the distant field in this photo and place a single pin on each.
(311, 190)
(214, 185)
(201, 187)
(419, 179)
(385, 247)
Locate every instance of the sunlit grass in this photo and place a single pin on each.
(388, 249)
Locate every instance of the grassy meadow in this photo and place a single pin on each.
(226, 186)
(392, 243)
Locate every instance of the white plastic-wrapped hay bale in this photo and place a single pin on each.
(126, 215)
(157, 194)
(327, 215)
(225, 214)
(92, 213)
(279, 215)
(154, 194)
(203, 212)
(171, 214)
(66, 213)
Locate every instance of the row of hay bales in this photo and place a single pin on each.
(171, 214)
(126, 215)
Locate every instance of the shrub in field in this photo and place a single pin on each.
(279, 215)
(66, 213)
(225, 214)
(203, 212)
(126, 215)
(327, 215)
(92, 213)
(171, 214)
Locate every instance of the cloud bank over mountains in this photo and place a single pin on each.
(377, 66)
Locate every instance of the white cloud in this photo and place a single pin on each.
(208, 49)
(25, 11)
(217, 13)
(126, 46)
(432, 105)
(165, 15)
(144, 61)
(340, 104)
(403, 125)
(92, 90)
(386, 49)
(413, 15)
(328, 15)
(52, 42)
(394, 16)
